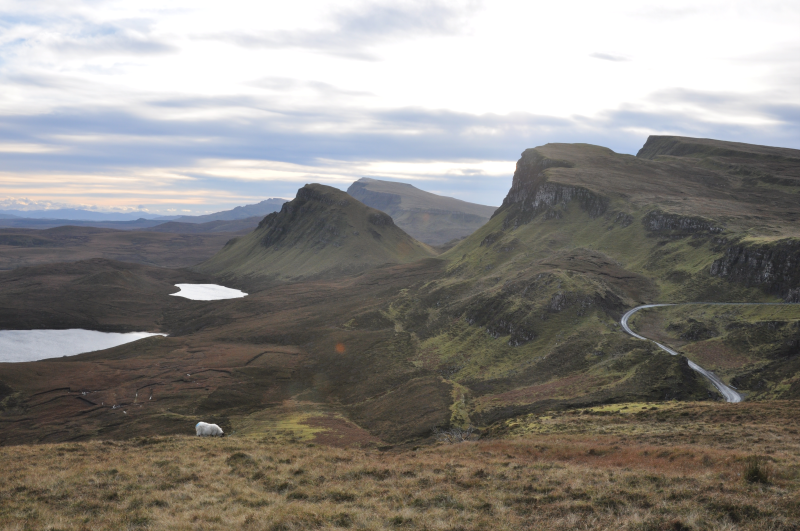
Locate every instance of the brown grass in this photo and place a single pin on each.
(673, 467)
(574, 385)
(715, 354)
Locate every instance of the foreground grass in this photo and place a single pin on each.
(636, 466)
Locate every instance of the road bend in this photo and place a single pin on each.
(729, 394)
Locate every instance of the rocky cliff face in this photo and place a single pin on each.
(774, 267)
(658, 221)
(531, 193)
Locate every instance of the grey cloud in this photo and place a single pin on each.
(766, 105)
(119, 43)
(440, 137)
(80, 36)
(355, 31)
(127, 37)
(134, 138)
(609, 57)
(130, 140)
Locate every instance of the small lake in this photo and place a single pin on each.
(32, 345)
(207, 292)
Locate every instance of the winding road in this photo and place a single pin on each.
(729, 394)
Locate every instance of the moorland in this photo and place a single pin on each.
(360, 340)
(644, 467)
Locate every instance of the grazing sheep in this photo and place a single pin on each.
(208, 430)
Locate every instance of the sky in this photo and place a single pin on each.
(195, 107)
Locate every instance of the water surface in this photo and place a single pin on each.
(207, 292)
(32, 345)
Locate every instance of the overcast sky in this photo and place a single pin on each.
(202, 106)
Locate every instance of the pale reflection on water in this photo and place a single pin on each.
(207, 292)
(32, 345)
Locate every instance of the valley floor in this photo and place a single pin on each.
(664, 466)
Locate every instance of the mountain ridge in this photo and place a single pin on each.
(520, 318)
(323, 231)
(430, 218)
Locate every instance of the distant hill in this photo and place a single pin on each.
(241, 212)
(322, 232)
(21, 247)
(46, 219)
(430, 218)
(235, 225)
(80, 214)
(43, 224)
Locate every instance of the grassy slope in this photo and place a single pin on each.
(322, 231)
(527, 312)
(29, 247)
(638, 467)
(520, 317)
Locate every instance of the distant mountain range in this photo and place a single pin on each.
(241, 212)
(46, 219)
(79, 215)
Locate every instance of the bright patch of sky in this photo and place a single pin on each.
(31, 345)
(202, 106)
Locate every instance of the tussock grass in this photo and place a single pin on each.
(601, 468)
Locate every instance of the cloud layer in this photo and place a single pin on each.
(196, 108)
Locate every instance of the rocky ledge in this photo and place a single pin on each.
(658, 221)
(531, 193)
(774, 267)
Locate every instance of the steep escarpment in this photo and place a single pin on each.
(322, 232)
(663, 222)
(774, 267)
(531, 193)
(430, 218)
(526, 314)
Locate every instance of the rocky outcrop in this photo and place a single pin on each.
(658, 221)
(531, 193)
(558, 302)
(774, 267)
(624, 219)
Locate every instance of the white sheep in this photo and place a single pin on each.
(208, 430)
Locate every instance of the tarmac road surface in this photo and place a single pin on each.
(729, 394)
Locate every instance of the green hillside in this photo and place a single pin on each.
(527, 312)
(322, 232)
(518, 321)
